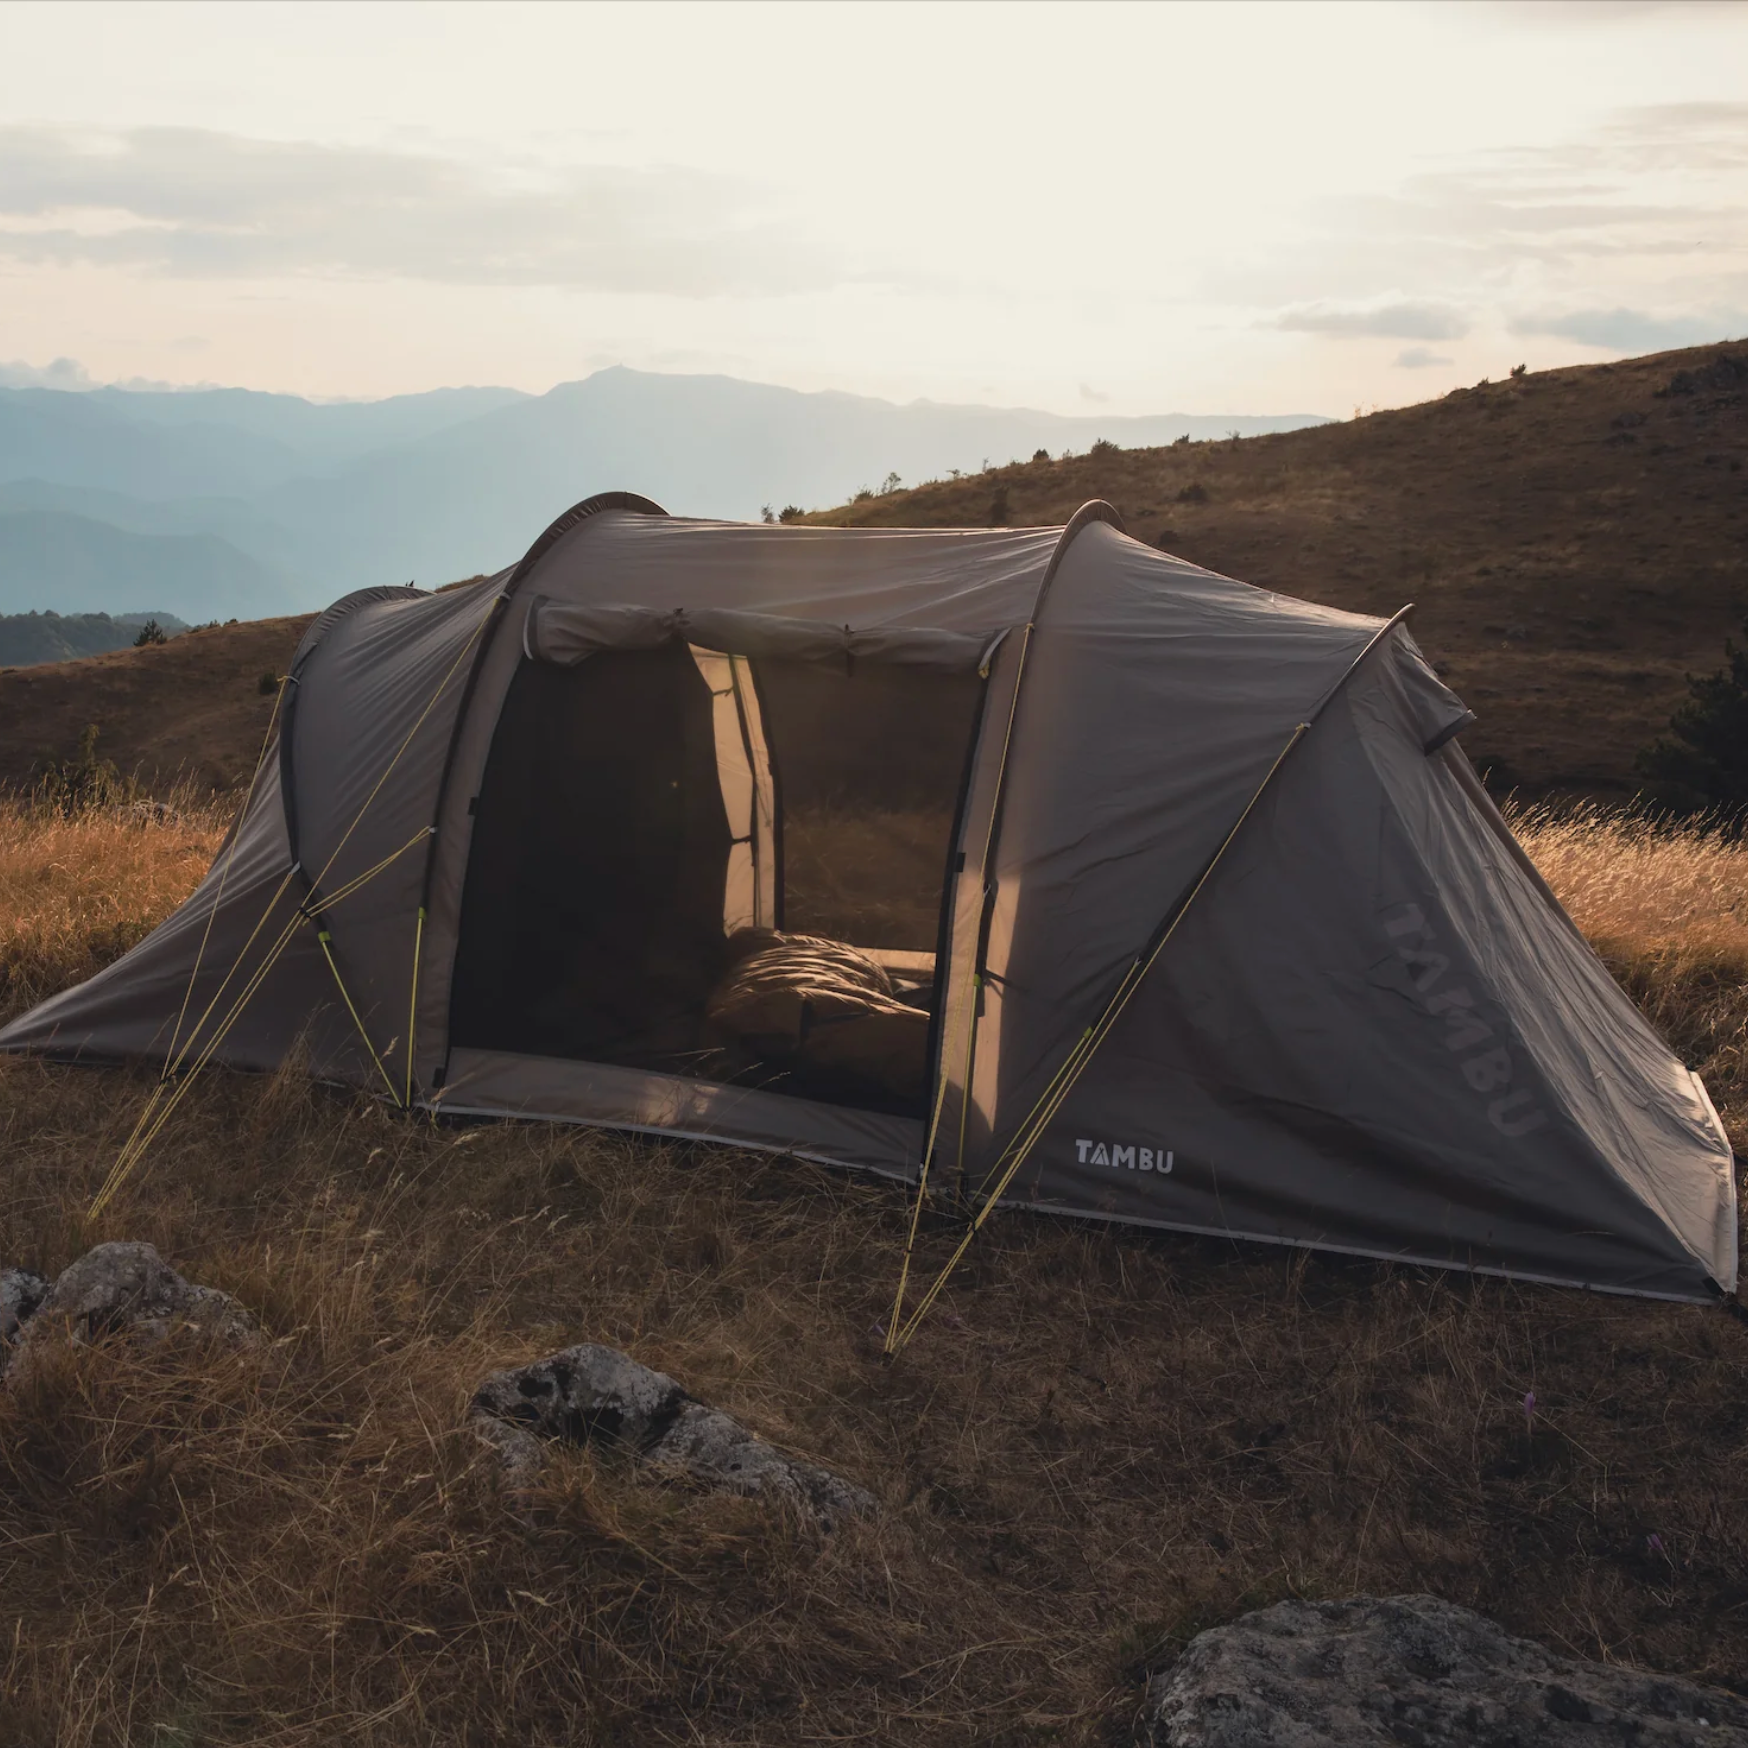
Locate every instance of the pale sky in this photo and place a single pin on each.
(1242, 208)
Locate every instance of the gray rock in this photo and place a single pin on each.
(20, 1294)
(1384, 1672)
(598, 1395)
(117, 1288)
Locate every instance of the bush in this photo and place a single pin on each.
(1102, 446)
(151, 632)
(890, 484)
(267, 685)
(794, 512)
(1194, 493)
(83, 782)
(1702, 764)
(998, 508)
(1040, 454)
(1726, 373)
(1519, 370)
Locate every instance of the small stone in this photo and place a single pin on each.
(126, 1288)
(598, 1395)
(20, 1294)
(1377, 1672)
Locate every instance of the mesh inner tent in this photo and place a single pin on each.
(726, 869)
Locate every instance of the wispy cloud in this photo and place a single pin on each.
(201, 204)
(1625, 330)
(1390, 321)
(1420, 358)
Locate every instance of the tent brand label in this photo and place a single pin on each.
(1122, 1155)
(1487, 1067)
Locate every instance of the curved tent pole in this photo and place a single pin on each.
(1062, 1083)
(574, 517)
(1094, 510)
(311, 642)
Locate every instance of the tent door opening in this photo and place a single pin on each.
(727, 868)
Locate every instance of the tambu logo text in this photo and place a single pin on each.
(1135, 1158)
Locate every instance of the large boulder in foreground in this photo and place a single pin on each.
(116, 1289)
(599, 1395)
(1384, 1672)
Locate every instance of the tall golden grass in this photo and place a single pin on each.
(79, 887)
(1667, 908)
(1104, 1441)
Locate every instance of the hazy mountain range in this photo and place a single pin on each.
(227, 503)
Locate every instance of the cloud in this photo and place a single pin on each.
(1419, 358)
(1390, 321)
(1089, 393)
(58, 373)
(1624, 330)
(208, 205)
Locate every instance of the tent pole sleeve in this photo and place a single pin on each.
(1094, 511)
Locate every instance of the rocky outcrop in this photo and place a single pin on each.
(124, 1288)
(1381, 1672)
(20, 1294)
(598, 1395)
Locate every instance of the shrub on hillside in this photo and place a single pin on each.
(794, 512)
(1040, 454)
(151, 632)
(1726, 372)
(998, 508)
(1702, 764)
(83, 782)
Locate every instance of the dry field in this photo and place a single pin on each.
(1101, 1443)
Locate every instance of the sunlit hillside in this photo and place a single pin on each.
(1575, 541)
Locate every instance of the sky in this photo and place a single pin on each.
(1245, 208)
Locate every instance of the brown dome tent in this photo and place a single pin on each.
(1105, 884)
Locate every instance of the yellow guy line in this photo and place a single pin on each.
(1062, 1083)
(148, 1127)
(225, 873)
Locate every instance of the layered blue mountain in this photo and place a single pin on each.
(226, 503)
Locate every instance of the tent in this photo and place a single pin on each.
(1108, 886)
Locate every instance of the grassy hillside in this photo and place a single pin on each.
(1575, 540)
(190, 710)
(1102, 1442)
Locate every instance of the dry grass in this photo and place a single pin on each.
(1102, 1442)
(1667, 908)
(77, 891)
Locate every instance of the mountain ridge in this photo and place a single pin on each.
(467, 473)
